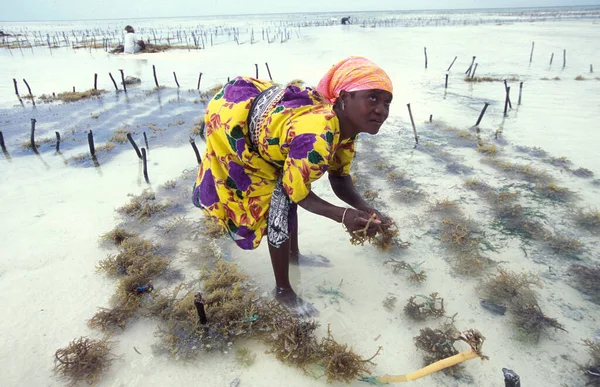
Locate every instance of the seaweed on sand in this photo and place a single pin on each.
(432, 306)
(507, 286)
(341, 363)
(117, 235)
(588, 219)
(438, 344)
(144, 206)
(293, 341)
(592, 370)
(135, 255)
(107, 319)
(554, 192)
(531, 321)
(514, 290)
(462, 237)
(83, 360)
(564, 245)
(415, 275)
(587, 280)
(213, 229)
(446, 207)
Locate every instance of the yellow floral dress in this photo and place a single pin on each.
(298, 142)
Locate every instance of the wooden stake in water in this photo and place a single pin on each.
(269, 71)
(256, 67)
(506, 101)
(506, 90)
(474, 69)
(175, 76)
(412, 121)
(123, 80)
(468, 72)
(199, 79)
(446, 84)
(146, 142)
(32, 137)
(57, 142)
(134, 145)
(145, 165)
(2, 142)
(91, 143)
(482, 114)
(520, 92)
(155, 79)
(564, 58)
(17, 91)
(425, 51)
(531, 55)
(451, 64)
(113, 81)
(95, 81)
(430, 118)
(591, 68)
(195, 148)
(31, 94)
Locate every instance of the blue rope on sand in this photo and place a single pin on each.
(371, 380)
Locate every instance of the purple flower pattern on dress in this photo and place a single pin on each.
(294, 98)
(248, 242)
(240, 91)
(239, 176)
(208, 191)
(240, 146)
(301, 145)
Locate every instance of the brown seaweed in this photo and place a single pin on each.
(587, 280)
(592, 370)
(414, 274)
(341, 363)
(83, 360)
(432, 306)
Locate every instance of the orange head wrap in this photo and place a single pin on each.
(353, 74)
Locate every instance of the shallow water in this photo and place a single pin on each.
(54, 212)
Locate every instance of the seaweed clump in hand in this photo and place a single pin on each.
(386, 236)
(83, 360)
(432, 306)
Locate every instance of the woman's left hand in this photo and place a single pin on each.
(385, 221)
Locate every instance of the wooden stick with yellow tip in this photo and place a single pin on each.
(434, 367)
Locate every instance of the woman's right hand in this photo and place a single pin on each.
(356, 220)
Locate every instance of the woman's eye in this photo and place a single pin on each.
(372, 98)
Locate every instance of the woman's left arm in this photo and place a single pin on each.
(344, 189)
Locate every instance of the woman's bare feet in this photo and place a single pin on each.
(297, 258)
(294, 304)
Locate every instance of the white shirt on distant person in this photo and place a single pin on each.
(131, 46)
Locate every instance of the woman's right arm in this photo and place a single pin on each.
(354, 220)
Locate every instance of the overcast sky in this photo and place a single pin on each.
(15, 10)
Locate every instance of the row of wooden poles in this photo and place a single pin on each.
(140, 153)
(123, 81)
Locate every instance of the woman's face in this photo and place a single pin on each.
(368, 109)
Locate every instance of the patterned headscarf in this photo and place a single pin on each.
(353, 74)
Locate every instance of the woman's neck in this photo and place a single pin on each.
(345, 126)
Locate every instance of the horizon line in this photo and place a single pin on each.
(304, 13)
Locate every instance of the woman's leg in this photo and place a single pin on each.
(280, 259)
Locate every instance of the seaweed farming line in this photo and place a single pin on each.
(158, 39)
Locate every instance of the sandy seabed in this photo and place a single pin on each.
(55, 206)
